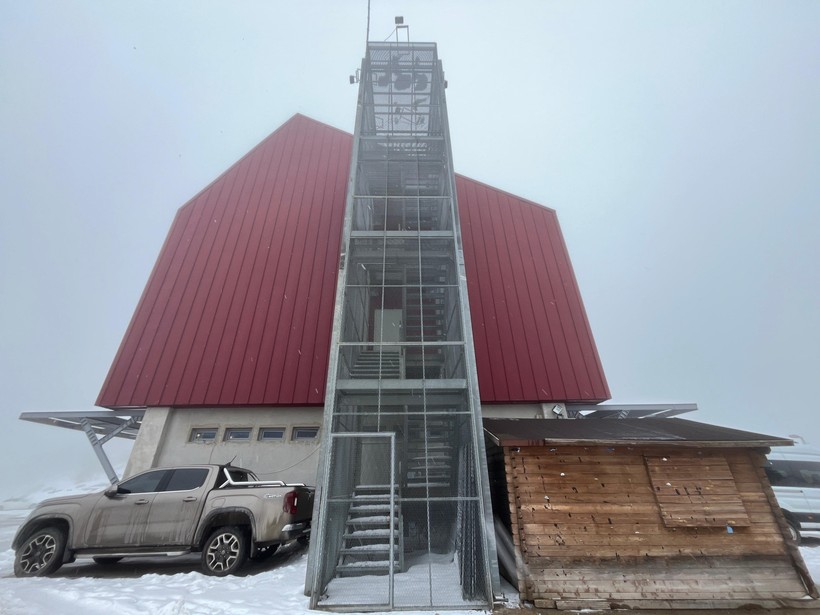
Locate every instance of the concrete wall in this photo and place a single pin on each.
(165, 440)
(522, 411)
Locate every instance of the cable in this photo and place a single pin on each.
(316, 450)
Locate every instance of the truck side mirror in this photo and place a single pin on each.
(112, 491)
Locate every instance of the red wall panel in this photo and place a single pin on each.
(239, 307)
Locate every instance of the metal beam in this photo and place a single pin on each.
(98, 426)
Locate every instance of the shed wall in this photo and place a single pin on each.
(589, 530)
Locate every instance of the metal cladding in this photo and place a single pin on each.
(239, 307)
(404, 517)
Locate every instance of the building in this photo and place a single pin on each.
(642, 513)
(228, 347)
(343, 311)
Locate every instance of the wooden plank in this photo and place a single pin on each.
(609, 551)
(520, 565)
(531, 529)
(587, 471)
(535, 541)
(715, 604)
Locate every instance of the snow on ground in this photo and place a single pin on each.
(165, 586)
(170, 586)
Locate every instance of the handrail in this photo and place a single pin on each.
(255, 483)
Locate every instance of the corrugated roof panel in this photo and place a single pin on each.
(532, 337)
(668, 431)
(239, 307)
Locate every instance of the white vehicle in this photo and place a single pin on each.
(795, 477)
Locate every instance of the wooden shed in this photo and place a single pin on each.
(642, 513)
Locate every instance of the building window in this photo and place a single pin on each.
(305, 433)
(238, 434)
(271, 433)
(204, 435)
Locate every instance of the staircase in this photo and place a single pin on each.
(370, 366)
(429, 302)
(430, 466)
(366, 541)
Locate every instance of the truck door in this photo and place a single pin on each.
(120, 520)
(176, 509)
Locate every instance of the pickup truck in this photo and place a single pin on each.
(222, 511)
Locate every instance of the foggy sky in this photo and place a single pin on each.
(679, 143)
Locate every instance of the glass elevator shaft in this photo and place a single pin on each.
(404, 519)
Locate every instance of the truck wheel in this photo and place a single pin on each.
(225, 551)
(41, 554)
(794, 533)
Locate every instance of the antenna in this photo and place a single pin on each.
(367, 36)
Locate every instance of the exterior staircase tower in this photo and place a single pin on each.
(404, 517)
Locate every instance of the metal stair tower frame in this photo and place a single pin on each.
(401, 257)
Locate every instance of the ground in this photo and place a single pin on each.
(175, 586)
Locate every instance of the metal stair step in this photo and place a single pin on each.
(374, 520)
(374, 549)
(371, 534)
(370, 508)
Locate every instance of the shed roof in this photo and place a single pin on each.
(612, 432)
(239, 307)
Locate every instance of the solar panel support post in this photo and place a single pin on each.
(97, 445)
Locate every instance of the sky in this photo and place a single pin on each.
(678, 141)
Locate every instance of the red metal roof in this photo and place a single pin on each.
(239, 307)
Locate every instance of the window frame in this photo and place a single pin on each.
(229, 431)
(192, 438)
(260, 437)
(295, 438)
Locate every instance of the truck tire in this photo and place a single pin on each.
(225, 551)
(794, 532)
(41, 554)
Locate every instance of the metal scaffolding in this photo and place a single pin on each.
(404, 518)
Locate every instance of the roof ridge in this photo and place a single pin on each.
(508, 193)
(291, 120)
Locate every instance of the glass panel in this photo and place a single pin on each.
(365, 261)
(359, 306)
(368, 214)
(203, 435)
(371, 179)
(185, 479)
(360, 519)
(438, 266)
(305, 433)
(143, 483)
(238, 434)
(436, 315)
(271, 433)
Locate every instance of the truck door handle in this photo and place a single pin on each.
(138, 502)
(190, 498)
